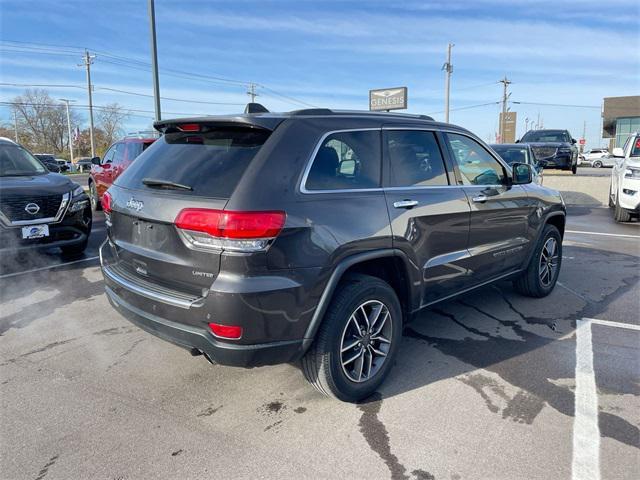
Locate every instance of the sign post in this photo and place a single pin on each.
(388, 99)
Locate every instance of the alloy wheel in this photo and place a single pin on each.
(548, 264)
(366, 341)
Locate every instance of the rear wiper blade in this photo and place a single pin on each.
(154, 182)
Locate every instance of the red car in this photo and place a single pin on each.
(116, 160)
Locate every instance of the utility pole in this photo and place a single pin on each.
(87, 61)
(503, 120)
(252, 92)
(15, 124)
(448, 68)
(66, 102)
(154, 59)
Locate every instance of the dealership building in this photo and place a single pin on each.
(620, 117)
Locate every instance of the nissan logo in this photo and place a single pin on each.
(134, 204)
(32, 208)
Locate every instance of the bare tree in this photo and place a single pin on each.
(111, 120)
(42, 122)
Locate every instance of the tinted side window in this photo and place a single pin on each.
(132, 150)
(414, 159)
(118, 155)
(476, 165)
(347, 160)
(108, 156)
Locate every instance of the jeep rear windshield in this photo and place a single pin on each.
(207, 163)
(546, 136)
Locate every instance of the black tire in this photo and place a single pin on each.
(597, 164)
(620, 214)
(323, 365)
(93, 198)
(530, 282)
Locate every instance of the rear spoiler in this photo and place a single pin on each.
(262, 122)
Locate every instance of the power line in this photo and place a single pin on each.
(556, 105)
(144, 66)
(127, 92)
(467, 107)
(98, 107)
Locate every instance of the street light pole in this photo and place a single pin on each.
(154, 59)
(66, 102)
(448, 68)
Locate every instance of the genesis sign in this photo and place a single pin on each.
(388, 99)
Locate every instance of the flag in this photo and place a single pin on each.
(76, 135)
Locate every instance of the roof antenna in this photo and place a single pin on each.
(255, 108)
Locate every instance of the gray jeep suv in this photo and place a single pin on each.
(315, 235)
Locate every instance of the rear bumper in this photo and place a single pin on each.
(272, 309)
(191, 338)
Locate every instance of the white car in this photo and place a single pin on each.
(599, 157)
(624, 192)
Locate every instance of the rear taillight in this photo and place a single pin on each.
(232, 332)
(106, 203)
(229, 230)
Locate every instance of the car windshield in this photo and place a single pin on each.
(635, 150)
(512, 154)
(16, 161)
(545, 136)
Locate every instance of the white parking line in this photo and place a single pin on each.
(603, 234)
(586, 433)
(58, 265)
(609, 323)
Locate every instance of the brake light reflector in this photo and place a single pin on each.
(106, 202)
(226, 331)
(189, 127)
(222, 229)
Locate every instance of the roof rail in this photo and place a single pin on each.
(142, 134)
(327, 111)
(312, 111)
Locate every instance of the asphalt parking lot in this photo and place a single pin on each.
(490, 385)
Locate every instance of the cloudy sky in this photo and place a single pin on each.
(563, 57)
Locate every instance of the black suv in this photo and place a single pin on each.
(266, 238)
(553, 148)
(39, 209)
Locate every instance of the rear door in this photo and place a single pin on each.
(207, 164)
(499, 213)
(429, 213)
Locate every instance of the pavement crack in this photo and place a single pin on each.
(43, 472)
(377, 436)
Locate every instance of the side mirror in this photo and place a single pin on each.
(618, 152)
(573, 141)
(95, 160)
(518, 141)
(521, 173)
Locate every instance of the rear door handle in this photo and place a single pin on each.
(405, 204)
(480, 198)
